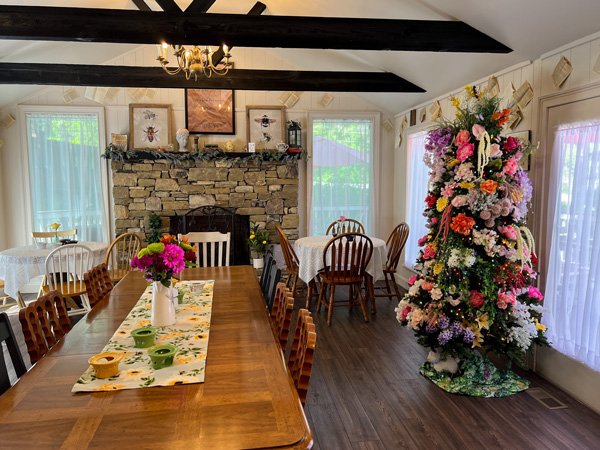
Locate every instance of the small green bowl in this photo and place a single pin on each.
(180, 297)
(162, 356)
(144, 337)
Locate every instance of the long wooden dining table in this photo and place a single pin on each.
(247, 401)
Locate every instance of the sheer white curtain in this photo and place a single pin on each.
(573, 280)
(416, 191)
(342, 172)
(64, 172)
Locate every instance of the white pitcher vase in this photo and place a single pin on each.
(163, 309)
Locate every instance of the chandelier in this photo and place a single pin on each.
(194, 61)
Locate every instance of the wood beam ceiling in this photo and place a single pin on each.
(239, 79)
(149, 27)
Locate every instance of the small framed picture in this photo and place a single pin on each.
(210, 111)
(149, 126)
(265, 126)
(524, 136)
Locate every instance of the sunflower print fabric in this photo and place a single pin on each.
(189, 334)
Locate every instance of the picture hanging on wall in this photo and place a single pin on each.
(149, 126)
(210, 111)
(265, 125)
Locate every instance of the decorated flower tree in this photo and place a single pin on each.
(477, 264)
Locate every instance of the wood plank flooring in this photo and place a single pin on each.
(366, 393)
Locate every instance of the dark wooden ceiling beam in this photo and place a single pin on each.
(141, 5)
(239, 79)
(199, 6)
(143, 27)
(168, 5)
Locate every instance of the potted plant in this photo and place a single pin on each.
(258, 240)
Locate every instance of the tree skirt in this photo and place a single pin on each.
(479, 378)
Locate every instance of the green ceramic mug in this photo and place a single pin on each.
(144, 337)
(162, 356)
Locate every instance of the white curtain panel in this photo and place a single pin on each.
(342, 177)
(64, 168)
(573, 278)
(416, 188)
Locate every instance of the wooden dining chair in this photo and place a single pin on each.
(97, 284)
(281, 314)
(302, 352)
(44, 323)
(291, 259)
(350, 254)
(65, 270)
(212, 247)
(8, 337)
(346, 226)
(395, 245)
(48, 236)
(273, 279)
(268, 260)
(120, 253)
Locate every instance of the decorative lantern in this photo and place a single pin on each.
(294, 136)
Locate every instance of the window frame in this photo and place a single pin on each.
(105, 177)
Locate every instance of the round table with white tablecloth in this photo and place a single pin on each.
(20, 265)
(310, 256)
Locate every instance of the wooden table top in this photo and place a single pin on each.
(248, 399)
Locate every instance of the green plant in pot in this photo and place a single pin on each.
(258, 241)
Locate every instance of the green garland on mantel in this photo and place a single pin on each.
(205, 155)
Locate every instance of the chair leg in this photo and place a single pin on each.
(387, 285)
(363, 306)
(330, 309)
(294, 286)
(396, 288)
(320, 299)
(289, 279)
(312, 290)
(351, 296)
(41, 290)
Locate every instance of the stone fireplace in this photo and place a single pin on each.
(266, 192)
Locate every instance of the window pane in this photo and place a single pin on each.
(417, 180)
(64, 169)
(342, 171)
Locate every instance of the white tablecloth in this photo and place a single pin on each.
(310, 254)
(20, 265)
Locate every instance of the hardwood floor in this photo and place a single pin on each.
(366, 393)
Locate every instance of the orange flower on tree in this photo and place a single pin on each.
(462, 224)
(501, 117)
(489, 186)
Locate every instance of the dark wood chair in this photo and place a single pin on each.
(44, 323)
(268, 261)
(395, 245)
(347, 226)
(98, 283)
(281, 314)
(350, 255)
(8, 337)
(291, 259)
(120, 253)
(302, 353)
(274, 277)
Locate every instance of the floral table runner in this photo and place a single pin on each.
(189, 334)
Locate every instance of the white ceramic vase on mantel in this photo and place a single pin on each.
(163, 309)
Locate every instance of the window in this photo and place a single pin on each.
(416, 189)
(65, 173)
(342, 172)
(574, 267)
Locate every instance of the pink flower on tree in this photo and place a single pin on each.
(478, 131)
(405, 312)
(505, 299)
(427, 286)
(510, 167)
(412, 280)
(495, 151)
(535, 293)
(421, 242)
(462, 137)
(465, 151)
(511, 144)
(429, 252)
(508, 231)
(476, 299)
(459, 201)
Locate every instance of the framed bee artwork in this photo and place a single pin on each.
(265, 126)
(149, 126)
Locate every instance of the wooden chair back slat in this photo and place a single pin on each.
(44, 322)
(281, 314)
(302, 353)
(395, 245)
(97, 284)
(350, 255)
(48, 236)
(212, 248)
(120, 253)
(8, 337)
(347, 226)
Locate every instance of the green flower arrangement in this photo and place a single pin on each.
(258, 240)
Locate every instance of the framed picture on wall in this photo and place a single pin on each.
(525, 136)
(265, 126)
(210, 111)
(149, 126)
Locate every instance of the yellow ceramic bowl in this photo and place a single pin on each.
(106, 365)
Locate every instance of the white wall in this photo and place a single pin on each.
(574, 377)
(12, 233)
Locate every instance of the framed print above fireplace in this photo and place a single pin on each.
(210, 111)
(149, 126)
(265, 126)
